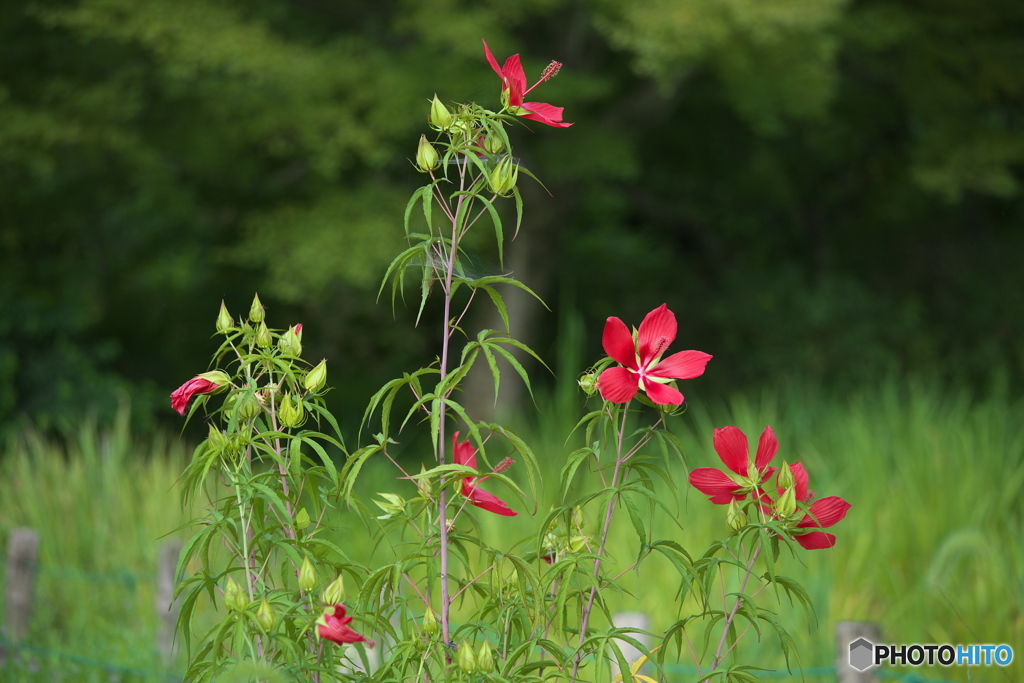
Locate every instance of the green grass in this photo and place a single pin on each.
(931, 549)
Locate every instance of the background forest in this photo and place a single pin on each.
(828, 190)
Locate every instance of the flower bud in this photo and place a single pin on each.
(786, 504)
(265, 615)
(467, 660)
(503, 176)
(234, 598)
(426, 155)
(484, 658)
(263, 338)
(440, 115)
(218, 377)
(248, 406)
(290, 412)
(225, 323)
(316, 378)
(588, 383)
(429, 622)
(786, 480)
(307, 574)
(735, 518)
(256, 311)
(335, 592)
(493, 143)
(290, 342)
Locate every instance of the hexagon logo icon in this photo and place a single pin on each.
(862, 654)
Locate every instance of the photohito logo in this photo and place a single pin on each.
(864, 654)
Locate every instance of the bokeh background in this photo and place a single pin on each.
(827, 193)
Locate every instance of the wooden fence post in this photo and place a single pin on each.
(166, 606)
(22, 559)
(850, 658)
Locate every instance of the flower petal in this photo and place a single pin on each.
(490, 502)
(515, 80)
(662, 394)
(824, 512)
(463, 453)
(181, 396)
(816, 540)
(682, 365)
(335, 627)
(493, 61)
(801, 480)
(617, 385)
(547, 114)
(656, 332)
(767, 447)
(716, 484)
(731, 446)
(618, 343)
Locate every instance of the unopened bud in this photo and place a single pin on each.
(735, 518)
(290, 342)
(493, 143)
(248, 406)
(218, 377)
(440, 115)
(224, 321)
(786, 479)
(467, 660)
(484, 658)
(316, 378)
(588, 383)
(335, 592)
(266, 616)
(426, 155)
(503, 177)
(263, 338)
(234, 597)
(786, 504)
(307, 575)
(256, 311)
(429, 622)
(290, 412)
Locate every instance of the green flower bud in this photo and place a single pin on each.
(248, 406)
(588, 383)
(430, 625)
(786, 479)
(290, 342)
(225, 323)
(290, 412)
(218, 377)
(263, 338)
(440, 115)
(503, 177)
(484, 658)
(234, 597)
(316, 378)
(467, 660)
(493, 143)
(256, 311)
(426, 155)
(307, 574)
(265, 615)
(302, 520)
(735, 518)
(786, 504)
(335, 592)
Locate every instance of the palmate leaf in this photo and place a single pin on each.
(384, 398)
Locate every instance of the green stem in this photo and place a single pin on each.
(735, 608)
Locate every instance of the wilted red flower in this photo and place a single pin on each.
(336, 627)
(513, 90)
(642, 365)
(823, 513)
(731, 446)
(465, 454)
(206, 383)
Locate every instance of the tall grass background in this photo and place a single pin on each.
(932, 548)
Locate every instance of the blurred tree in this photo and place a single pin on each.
(830, 188)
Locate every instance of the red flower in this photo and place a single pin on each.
(206, 383)
(731, 446)
(513, 90)
(823, 513)
(336, 627)
(643, 367)
(465, 454)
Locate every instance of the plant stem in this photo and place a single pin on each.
(735, 608)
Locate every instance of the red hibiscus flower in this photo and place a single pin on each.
(731, 446)
(823, 513)
(206, 383)
(513, 90)
(642, 365)
(336, 627)
(465, 454)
